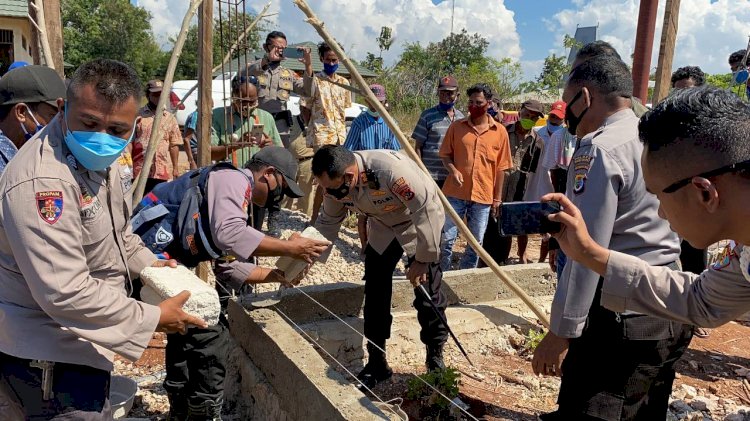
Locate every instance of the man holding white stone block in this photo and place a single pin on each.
(67, 254)
(201, 216)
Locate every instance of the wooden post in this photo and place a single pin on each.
(53, 21)
(644, 45)
(41, 28)
(205, 78)
(406, 145)
(666, 50)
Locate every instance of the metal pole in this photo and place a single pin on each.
(644, 46)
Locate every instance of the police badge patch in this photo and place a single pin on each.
(579, 183)
(403, 189)
(49, 204)
(163, 236)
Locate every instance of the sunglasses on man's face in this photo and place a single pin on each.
(740, 166)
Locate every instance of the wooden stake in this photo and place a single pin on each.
(205, 111)
(666, 50)
(140, 186)
(41, 27)
(406, 145)
(53, 24)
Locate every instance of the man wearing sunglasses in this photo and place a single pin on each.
(705, 200)
(614, 366)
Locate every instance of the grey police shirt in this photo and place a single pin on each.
(605, 181)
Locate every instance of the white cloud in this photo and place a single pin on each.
(708, 31)
(356, 23)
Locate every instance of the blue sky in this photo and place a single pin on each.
(523, 30)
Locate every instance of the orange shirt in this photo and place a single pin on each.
(478, 157)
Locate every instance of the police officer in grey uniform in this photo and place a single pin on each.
(705, 200)
(68, 255)
(276, 83)
(405, 215)
(195, 362)
(619, 366)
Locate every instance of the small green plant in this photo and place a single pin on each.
(446, 381)
(351, 221)
(532, 340)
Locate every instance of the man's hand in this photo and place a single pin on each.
(305, 248)
(164, 263)
(495, 210)
(458, 177)
(574, 238)
(265, 141)
(173, 319)
(306, 56)
(417, 273)
(549, 355)
(175, 172)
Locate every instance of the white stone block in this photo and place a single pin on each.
(293, 267)
(165, 282)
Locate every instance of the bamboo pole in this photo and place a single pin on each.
(41, 27)
(232, 49)
(666, 50)
(205, 59)
(140, 186)
(323, 32)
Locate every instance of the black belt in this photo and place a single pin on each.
(307, 158)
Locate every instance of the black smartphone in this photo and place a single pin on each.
(293, 52)
(521, 218)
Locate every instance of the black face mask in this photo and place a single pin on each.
(572, 120)
(339, 192)
(275, 196)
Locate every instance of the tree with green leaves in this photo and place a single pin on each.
(113, 29)
(226, 32)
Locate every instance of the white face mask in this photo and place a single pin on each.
(745, 262)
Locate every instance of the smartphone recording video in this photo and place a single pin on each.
(522, 218)
(293, 52)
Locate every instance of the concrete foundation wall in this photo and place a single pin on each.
(460, 287)
(276, 373)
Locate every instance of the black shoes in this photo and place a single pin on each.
(376, 370)
(434, 359)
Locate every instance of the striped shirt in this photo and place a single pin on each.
(429, 134)
(368, 133)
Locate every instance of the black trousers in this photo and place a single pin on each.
(693, 259)
(621, 370)
(379, 288)
(496, 245)
(196, 363)
(78, 392)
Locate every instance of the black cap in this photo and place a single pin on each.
(285, 164)
(31, 84)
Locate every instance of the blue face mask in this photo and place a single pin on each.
(740, 76)
(96, 151)
(330, 69)
(552, 128)
(26, 134)
(445, 107)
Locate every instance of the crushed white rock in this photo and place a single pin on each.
(165, 282)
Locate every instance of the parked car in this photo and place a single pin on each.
(220, 92)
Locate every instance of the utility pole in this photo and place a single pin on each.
(644, 46)
(205, 77)
(53, 30)
(666, 50)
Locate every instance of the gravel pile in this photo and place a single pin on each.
(344, 263)
(688, 403)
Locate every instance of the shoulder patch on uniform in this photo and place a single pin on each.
(724, 259)
(49, 205)
(403, 189)
(163, 236)
(579, 183)
(582, 163)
